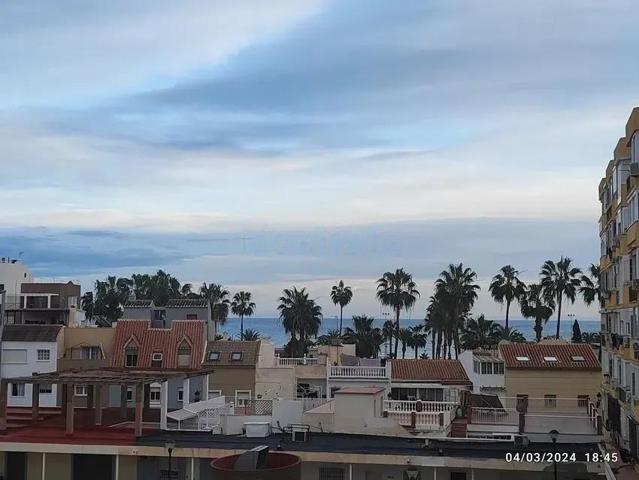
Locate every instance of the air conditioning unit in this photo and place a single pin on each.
(299, 433)
(521, 441)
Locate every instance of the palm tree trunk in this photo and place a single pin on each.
(416, 348)
(559, 297)
(507, 311)
(341, 309)
(396, 331)
(432, 343)
(242, 327)
(538, 329)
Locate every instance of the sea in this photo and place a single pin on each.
(271, 328)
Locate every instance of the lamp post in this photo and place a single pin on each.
(170, 445)
(554, 435)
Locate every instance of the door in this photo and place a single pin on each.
(16, 465)
(94, 467)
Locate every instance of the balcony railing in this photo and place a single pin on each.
(360, 372)
(418, 406)
(291, 362)
(494, 416)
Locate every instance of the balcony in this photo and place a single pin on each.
(293, 362)
(418, 406)
(423, 416)
(360, 372)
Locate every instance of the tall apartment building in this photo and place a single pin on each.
(619, 282)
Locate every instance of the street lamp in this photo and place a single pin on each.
(170, 445)
(554, 435)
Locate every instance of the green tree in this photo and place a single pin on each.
(480, 333)
(506, 287)
(251, 335)
(560, 280)
(367, 339)
(589, 289)
(404, 335)
(417, 338)
(590, 337)
(398, 291)
(341, 295)
(332, 337)
(242, 306)
(436, 319)
(218, 298)
(110, 294)
(576, 332)
(87, 304)
(509, 335)
(301, 317)
(535, 305)
(457, 291)
(388, 330)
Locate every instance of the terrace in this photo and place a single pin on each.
(360, 372)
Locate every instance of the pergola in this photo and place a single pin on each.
(96, 381)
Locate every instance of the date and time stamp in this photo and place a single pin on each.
(561, 457)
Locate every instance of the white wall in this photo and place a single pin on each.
(12, 275)
(30, 366)
(466, 358)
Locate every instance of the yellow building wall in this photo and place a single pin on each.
(34, 467)
(128, 466)
(563, 383)
(58, 466)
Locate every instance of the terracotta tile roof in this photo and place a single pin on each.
(30, 333)
(187, 303)
(250, 352)
(446, 372)
(138, 303)
(156, 340)
(568, 356)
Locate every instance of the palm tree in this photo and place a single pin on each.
(242, 306)
(218, 300)
(251, 335)
(332, 337)
(397, 290)
(560, 280)
(506, 287)
(417, 339)
(301, 318)
(367, 339)
(404, 336)
(589, 288)
(436, 319)
(479, 333)
(141, 286)
(534, 305)
(110, 295)
(341, 295)
(164, 286)
(87, 304)
(590, 337)
(509, 335)
(458, 293)
(388, 330)
(186, 290)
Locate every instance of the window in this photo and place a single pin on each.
(81, 390)
(522, 359)
(582, 401)
(129, 394)
(191, 316)
(17, 389)
(37, 302)
(550, 401)
(214, 356)
(44, 355)
(154, 395)
(184, 354)
(180, 394)
(498, 368)
(550, 359)
(330, 473)
(486, 368)
(14, 356)
(46, 388)
(241, 396)
(215, 393)
(236, 356)
(578, 358)
(156, 360)
(476, 366)
(131, 354)
(91, 353)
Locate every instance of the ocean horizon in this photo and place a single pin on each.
(271, 328)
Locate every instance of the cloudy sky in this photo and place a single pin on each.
(268, 143)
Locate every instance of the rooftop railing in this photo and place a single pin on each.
(418, 406)
(291, 362)
(360, 372)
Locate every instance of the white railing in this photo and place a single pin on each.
(291, 362)
(359, 372)
(424, 406)
(422, 419)
(495, 416)
(209, 419)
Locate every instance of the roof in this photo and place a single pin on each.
(446, 372)
(31, 333)
(107, 376)
(68, 289)
(360, 391)
(187, 303)
(138, 303)
(250, 351)
(568, 356)
(158, 340)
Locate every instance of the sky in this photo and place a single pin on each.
(263, 144)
